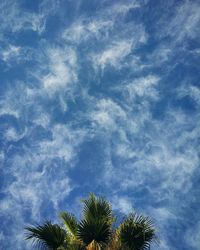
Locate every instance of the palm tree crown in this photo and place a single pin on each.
(95, 231)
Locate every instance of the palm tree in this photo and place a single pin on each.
(95, 231)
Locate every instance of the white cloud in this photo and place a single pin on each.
(107, 114)
(185, 22)
(189, 90)
(10, 53)
(163, 164)
(99, 26)
(12, 18)
(137, 97)
(2, 237)
(12, 102)
(113, 55)
(33, 190)
(82, 30)
(40, 157)
(103, 30)
(193, 236)
(40, 174)
(13, 99)
(8, 110)
(144, 87)
(12, 135)
(63, 143)
(159, 56)
(27, 194)
(42, 118)
(122, 203)
(153, 155)
(123, 8)
(163, 213)
(2, 156)
(15, 55)
(124, 150)
(62, 66)
(162, 216)
(119, 47)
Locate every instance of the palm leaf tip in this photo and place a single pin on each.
(70, 223)
(97, 208)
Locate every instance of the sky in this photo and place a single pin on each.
(104, 97)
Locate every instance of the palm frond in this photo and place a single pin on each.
(94, 230)
(97, 208)
(137, 232)
(47, 236)
(70, 223)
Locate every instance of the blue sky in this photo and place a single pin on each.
(104, 97)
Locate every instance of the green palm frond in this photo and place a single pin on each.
(47, 236)
(94, 230)
(70, 223)
(97, 208)
(96, 225)
(137, 232)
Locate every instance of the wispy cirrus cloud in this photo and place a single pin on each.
(184, 23)
(122, 8)
(122, 204)
(82, 30)
(16, 18)
(62, 64)
(107, 114)
(144, 87)
(13, 20)
(10, 53)
(193, 237)
(192, 91)
(113, 56)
